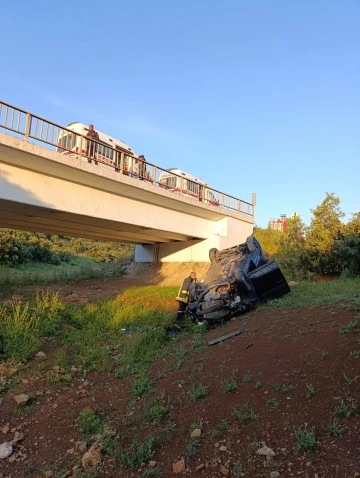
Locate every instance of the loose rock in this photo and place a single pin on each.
(5, 450)
(92, 457)
(265, 451)
(21, 399)
(179, 466)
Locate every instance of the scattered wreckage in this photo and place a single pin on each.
(236, 280)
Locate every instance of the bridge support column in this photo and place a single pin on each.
(228, 232)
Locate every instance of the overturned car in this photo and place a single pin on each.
(236, 280)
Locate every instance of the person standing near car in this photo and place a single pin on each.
(183, 295)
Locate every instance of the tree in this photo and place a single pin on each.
(269, 240)
(353, 226)
(346, 255)
(290, 254)
(293, 238)
(325, 226)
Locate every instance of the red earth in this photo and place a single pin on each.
(293, 370)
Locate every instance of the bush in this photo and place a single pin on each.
(19, 330)
(22, 328)
(346, 255)
(21, 247)
(9, 251)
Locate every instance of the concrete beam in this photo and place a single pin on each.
(42, 190)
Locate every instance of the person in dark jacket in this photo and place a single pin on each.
(183, 295)
(91, 147)
(142, 167)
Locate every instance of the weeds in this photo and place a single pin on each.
(37, 273)
(139, 452)
(196, 426)
(90, 423)
(224, 425)
(348, 380)
(23, 328)
(310, 390)
(337, 294)
(197, 343)
(192, 447)
(140, 386)
(24, 409)
(216, 431)
(91, 472)
(178, 360)
(245, 413)
(222, 366)
(48, 309)
(333, 429)
(29, 472)
(198, 392)
(247, 378)
(238, 469)
(111, 445)
(140, 352)
(151, 473)
(56, 377)
(231, 386)
(347, 408)
(20, 330)
(305, 438)
(347, 328)
(272, 403)
(283, 387)
(158, 413)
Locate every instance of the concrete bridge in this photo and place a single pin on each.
(44, 191)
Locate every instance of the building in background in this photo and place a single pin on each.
(278, 224)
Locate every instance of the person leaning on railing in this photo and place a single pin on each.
(142, 166)
(91, 145)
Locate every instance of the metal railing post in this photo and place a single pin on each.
(122, 163)
(81, 145)
(253, 199)
(116, 160)
(27, 126)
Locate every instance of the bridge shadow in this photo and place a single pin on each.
(17, 205)
(9, 190)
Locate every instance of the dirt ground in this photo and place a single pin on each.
(294, 370)
(95, 290)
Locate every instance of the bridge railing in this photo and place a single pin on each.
(39, 130)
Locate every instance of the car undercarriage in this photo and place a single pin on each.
(237, 279)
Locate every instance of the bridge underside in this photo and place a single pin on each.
(44, 191)
(27, 217)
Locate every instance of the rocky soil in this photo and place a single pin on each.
(291, 372)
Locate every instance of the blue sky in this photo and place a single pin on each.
(250, 96)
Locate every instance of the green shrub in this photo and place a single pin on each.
(305, 439)
(23, 247)
(19, 330)
(139, 452)
(22, 328)
(9, 252)
(90, 423)
(346, 255)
